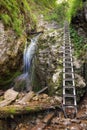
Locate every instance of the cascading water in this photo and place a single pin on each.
(23, 82)
(29, 52)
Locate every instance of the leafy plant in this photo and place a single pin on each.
(78, 42)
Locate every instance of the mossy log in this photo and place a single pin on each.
(14, 110)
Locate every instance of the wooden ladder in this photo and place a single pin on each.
(69, 92)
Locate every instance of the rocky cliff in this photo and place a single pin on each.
(11, 51)
(79, 22)
(49, 63)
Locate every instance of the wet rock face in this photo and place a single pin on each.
(11, 50)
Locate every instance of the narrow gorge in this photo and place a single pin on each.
(32, 60)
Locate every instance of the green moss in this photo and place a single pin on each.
(7, 81)
(28, 108)
(11, 110)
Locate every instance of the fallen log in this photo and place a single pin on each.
(14, 110)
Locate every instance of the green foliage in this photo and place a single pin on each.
(46, 3)
(58, 14)
(65, 10)
(18, 13)
(77, 41)
(15, 13)
(73, 6)
(17, 26)
(6, 19)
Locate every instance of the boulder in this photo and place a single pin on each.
(9, 96)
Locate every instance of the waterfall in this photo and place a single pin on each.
(23, 82)
(29, 52)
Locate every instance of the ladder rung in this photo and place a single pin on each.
(68, 50)
(67, 44)
(68, 47)
(67, 56)
(64, 53)
(68, 79)
(65, 103)
(69, 95)
(68, 67)
(69, 87)
(70, 106)
(69, 73)
(68, 63)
